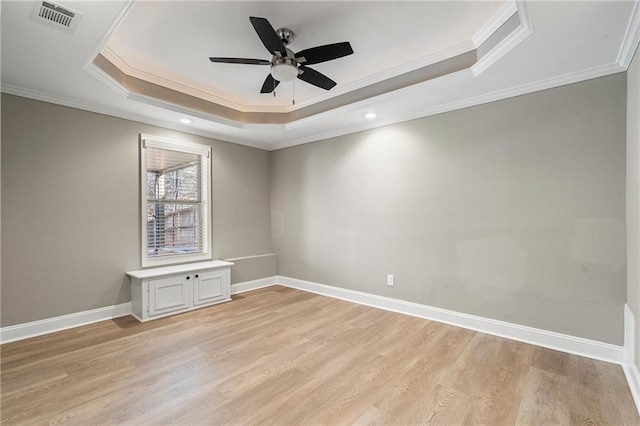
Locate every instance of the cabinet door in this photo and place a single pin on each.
(210, 286)
(168, 295)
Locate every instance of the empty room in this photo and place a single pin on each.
(320, 212)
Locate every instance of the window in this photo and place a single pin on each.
(176, 201)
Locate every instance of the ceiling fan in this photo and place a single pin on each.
(287, 65)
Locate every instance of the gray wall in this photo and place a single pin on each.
(633, 196)
(513, 210)
(70, 208)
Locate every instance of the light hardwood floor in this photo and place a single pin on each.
(283, 356)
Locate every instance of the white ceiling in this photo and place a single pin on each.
(168, 43)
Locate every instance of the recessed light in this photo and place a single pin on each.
(186, 120)
(370, 115)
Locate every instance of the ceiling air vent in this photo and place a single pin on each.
(56, 16)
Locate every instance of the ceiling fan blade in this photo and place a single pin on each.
(312, 76)
(315, 55)
(269, 84)
(240, 61)
(268, 36)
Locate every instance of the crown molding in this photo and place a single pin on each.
(98, 73)
(489, 28)
(505, 12)
(124, 66)
(464, 48)
(62, 100)
(424, 61)
(413, 65)
(163, 97)
(524, 30)
(366, 103)
(575, 77)
(99, 109)
(94, 70)
(631, 38)
(149, 100)
(116, 23)
(569, 78)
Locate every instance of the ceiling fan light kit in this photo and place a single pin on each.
(287, 65)
(284, 69)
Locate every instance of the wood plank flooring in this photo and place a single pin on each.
(282, 356)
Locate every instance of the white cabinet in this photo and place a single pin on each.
(169, 294)
(160, 292)
(210, 287)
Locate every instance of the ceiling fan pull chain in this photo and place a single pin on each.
(293, 98)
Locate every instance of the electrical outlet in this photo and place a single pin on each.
(390, 280)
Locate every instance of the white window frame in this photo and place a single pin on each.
(205, 152)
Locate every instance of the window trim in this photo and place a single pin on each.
(207, 160)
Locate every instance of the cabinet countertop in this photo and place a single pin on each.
(178, 269)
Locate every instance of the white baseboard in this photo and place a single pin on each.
(548, 339)
(623, 355)
(63, 322)
(629, 334)
(630, 369)
(238, 288)
(17, 332)
(633, 378)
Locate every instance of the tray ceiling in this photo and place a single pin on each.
(170, 43)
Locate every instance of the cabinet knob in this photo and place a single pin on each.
(187, 277)
(196, 275)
